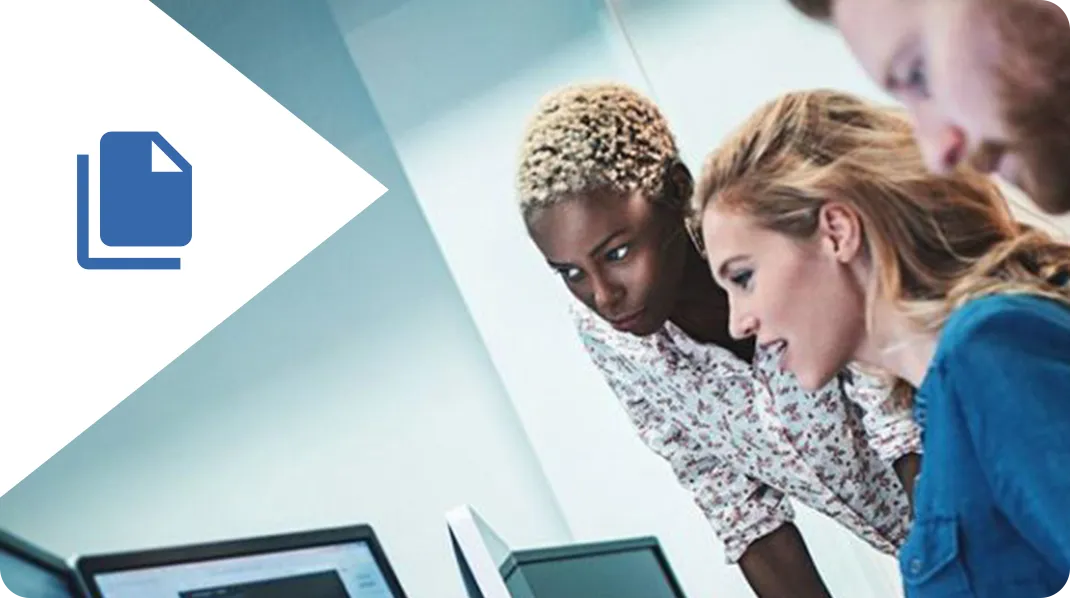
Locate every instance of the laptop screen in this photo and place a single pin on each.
(346, 570)
(27, 578)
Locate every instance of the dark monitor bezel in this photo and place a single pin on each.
(41, 558)
(519, 558)
(89, 567)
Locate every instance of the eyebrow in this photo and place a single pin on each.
(596, 249)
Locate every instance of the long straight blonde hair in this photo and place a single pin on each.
(935, 242)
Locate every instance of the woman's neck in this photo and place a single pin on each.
(898, 346)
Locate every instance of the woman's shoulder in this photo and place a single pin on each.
(998, 332)
(1007, 317)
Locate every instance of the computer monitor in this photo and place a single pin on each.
(633, 568)
(479, 553)
(28, 570)
(332, 563)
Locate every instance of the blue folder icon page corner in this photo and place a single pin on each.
(146, 192)
(146, 200)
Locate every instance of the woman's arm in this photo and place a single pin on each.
(752, 520)
(889, 423)
(1010, 370)
(907, 468)
(779, 566)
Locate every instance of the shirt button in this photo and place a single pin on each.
(915, 566)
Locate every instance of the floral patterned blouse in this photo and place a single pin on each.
(744, 438)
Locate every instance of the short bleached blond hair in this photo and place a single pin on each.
(593, 137)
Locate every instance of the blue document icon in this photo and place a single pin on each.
(146, 199)
(139, 205)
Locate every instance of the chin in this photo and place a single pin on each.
(808, 384)
(813, 380)
(815, 370)
(653, 321)
(647, 328)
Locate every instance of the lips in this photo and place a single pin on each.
(1000, 159)
(776, 350)
(628, 322)
(773, 346)
(987, 157)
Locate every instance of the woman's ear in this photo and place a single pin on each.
(840, 229)
(681, 184)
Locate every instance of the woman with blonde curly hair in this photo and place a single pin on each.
(837, 245)
(603, 193)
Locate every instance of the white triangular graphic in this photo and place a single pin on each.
(161, 162)
(267, 190)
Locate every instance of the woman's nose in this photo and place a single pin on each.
(944, 145)
(607, 296)
(742, 326)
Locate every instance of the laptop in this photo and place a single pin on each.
(345, 562)
(28, 570)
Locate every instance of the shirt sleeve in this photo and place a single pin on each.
(888, 421)
(740, 509)
(1009, 367)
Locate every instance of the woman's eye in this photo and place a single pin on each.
(742, 278)
(571, 274)
(915, 80)
(617, 254)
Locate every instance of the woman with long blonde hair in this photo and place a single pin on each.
(836, 245)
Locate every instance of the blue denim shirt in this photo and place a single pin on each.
(992, 503)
